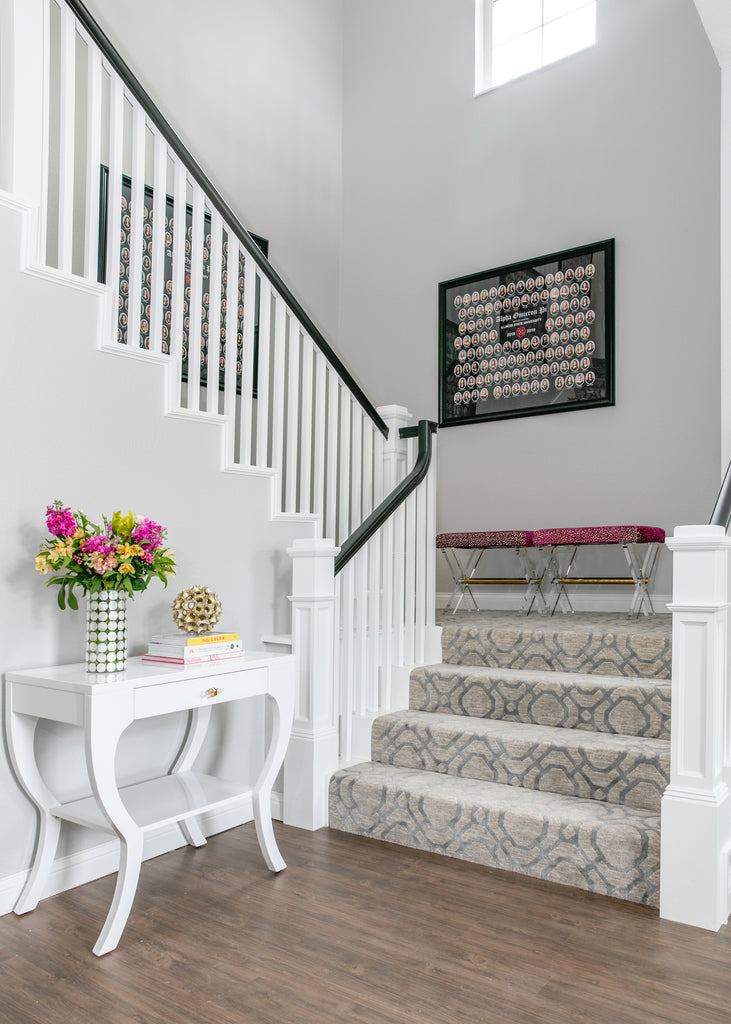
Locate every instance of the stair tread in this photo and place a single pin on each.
(584, 679)
(569, 809)
(525, 732)
(605, 848)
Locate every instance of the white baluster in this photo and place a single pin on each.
(67, 107)
(410, 577)
(331, 476)
(262, 387)
(346, 668)
(114, 194)
(136, 239)
(278, 386)
(344, 521)
(421, 557)
(247, 366)
(320, 438)
(195, 301)
(373, 660)
(433, 638)
(293, 400)
(180, 198)
(369, 440)
(159, 217)
(356, 467)
(305, 473)
(93, 159)
(215, 296)
(231, 320)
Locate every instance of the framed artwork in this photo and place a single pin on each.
(529, 338)
(124, 271)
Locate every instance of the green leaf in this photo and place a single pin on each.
(72, 601)
(61, 598)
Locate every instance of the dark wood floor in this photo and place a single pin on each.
(359, 931)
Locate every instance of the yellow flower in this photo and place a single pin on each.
(129, 550)
(123, 525)
(42, 564)
(60, 550)
(126, 569)
(78, 535)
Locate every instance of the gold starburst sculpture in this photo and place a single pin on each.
(196, 609)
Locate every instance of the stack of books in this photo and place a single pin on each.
(186, 649)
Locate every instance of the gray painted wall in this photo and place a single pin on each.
(618, 141)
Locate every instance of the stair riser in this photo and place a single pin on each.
(615, 858)
(641, 710)
(564, 651)
(616, 776)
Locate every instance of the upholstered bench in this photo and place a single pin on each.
(475, 545)
(559, 548)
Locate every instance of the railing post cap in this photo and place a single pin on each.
(318, 547)
(701, 530)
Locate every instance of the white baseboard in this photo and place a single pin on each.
(584, 601)
(98, 861)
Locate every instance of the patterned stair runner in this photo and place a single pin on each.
(546, 752)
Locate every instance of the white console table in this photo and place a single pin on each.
(104, 706)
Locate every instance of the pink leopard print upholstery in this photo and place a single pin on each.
(576, 535)
(487, 539)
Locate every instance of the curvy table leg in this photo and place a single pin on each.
(102, 736)
(198, 721)
(282, 695)
(20, 732)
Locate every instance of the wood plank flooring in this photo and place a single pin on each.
(355, 930)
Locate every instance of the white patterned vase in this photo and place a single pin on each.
(106, 631)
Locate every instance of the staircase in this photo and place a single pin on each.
(537, 746)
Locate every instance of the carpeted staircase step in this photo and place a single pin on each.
(601, 847)
(586, 642)
(590, 765)
(609, 704)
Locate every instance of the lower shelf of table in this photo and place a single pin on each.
(158, 802)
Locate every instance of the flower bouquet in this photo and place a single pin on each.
(123, 554)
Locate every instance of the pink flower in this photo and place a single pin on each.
(148, 534)
(59, 520)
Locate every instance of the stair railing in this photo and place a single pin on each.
(362, 616)
(123, 201)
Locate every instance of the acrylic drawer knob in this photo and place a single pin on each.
(212, 692)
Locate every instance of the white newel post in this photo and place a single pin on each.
(395, 450)
(696, 808)
(22, 78)
(313, 750)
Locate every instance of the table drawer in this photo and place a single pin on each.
(183, 694)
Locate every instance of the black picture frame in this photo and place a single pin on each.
(124, 268)
(538, 338)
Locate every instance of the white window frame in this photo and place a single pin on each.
(483, 50)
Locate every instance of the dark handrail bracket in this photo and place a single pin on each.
(219, 203)
(722, 509)
(398, 495)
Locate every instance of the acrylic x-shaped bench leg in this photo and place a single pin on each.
(460, 574)
(642, 575)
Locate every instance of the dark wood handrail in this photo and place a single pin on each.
(216, 200)
(722, 509)
(398, 495)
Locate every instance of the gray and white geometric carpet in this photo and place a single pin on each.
(535, 755)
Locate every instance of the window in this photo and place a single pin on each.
(514, 37)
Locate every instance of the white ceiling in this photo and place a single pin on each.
(716, 17)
